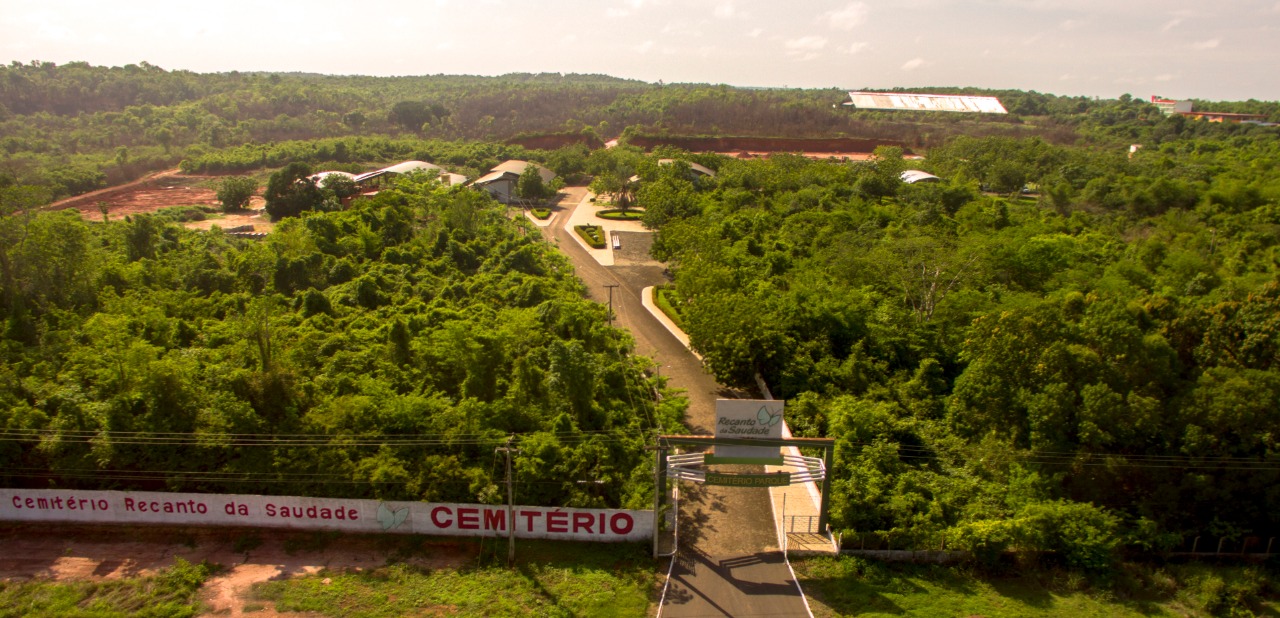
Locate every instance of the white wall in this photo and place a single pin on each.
(299, 513)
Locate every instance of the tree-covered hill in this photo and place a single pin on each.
(382, 351)
(75, 127)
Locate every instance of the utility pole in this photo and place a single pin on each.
(511, 517)
(611, 286)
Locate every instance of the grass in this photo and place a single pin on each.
(850, 586)
(550, 579)
(664, 297)
(592, 234)
(170, 593)
(181, 214)
(621, 215)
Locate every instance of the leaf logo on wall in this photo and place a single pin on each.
(389, 518)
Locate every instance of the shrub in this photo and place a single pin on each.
(592, 234)
(665, 298)
(540, 213)
(235, 192)
(1084, 535)
(621, 215)
(986, 540)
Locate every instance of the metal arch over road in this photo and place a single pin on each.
(816, 469)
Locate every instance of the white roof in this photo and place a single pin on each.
(319, 177)
(402, 168)
(492, 177)
(450, 179)
(410, 166)
(517, 167)
(925, 102)
(914, 176)
(701, 169)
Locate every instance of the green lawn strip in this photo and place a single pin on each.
(170, 593)
(550, 579)
(848, 586)
(664, 297)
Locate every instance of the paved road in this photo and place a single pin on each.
(729, 562)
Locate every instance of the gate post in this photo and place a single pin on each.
(828, 458)
(659, 490)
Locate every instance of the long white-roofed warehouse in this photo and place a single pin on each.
(925, 102)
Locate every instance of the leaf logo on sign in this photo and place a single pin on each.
(389, 518)
(767, 418)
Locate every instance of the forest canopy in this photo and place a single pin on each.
(1104, 349)
(381, 351)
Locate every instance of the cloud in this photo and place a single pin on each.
(755, 32)
(851, 16)
(643, 48)
(630, 7)
(913, 64)
(1070, 24)
(49, 26)
(681, 29)
(1171, 24)
(725, 10)
(806, 47)
(1205, 45)
(853, 48)
(1163, 77)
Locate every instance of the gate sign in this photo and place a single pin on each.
(750, 419)
(338, 514)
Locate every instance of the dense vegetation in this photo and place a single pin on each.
(851, 586)
(75, 127)
(1092, 367)
(381, 351)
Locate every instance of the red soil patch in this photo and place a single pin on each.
(164, 190)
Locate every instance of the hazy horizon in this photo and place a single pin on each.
(1177, 49)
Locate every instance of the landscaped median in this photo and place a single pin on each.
(592, 234)
(617, 214)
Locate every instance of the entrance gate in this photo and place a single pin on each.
(692, 467)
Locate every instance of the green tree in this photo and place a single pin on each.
(234, 192)
(291, 191)
(530, 186)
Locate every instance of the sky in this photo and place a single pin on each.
(1225, 50)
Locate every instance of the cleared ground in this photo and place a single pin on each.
(161, 190)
